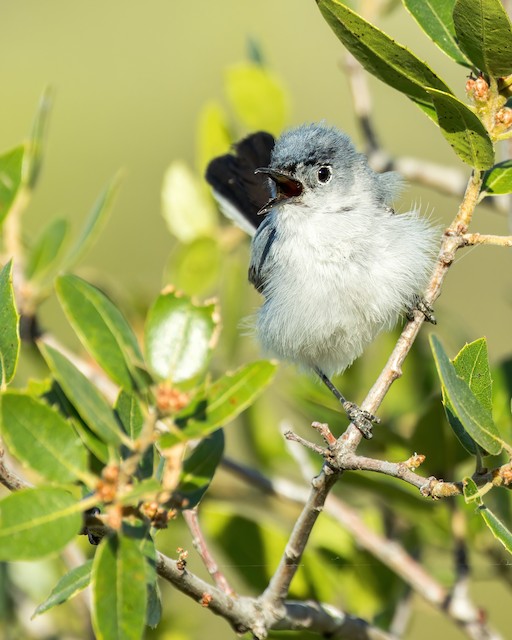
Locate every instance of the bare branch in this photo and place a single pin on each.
(479, 238)
(9, 478)
(250, 614)
(198, 540)
(389, 552)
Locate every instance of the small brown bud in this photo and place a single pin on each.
(504, 117)
(415, 461)
(470, 87)
(170, 399)
(481, 92)
(182, 558)
(206, 599)
(115, 517)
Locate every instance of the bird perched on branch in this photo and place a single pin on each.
(334, 263)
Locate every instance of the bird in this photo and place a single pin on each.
(334, 262)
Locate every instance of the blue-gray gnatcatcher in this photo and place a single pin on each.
(333, 261)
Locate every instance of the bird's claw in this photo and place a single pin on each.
(422, 305)
(361, 419)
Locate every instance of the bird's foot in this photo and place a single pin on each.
(360, 418)
(421, 305)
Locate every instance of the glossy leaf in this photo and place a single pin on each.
(257, 97)
(37, 522)
(83, 395)
(94, 224)
(436, 20)
(102, 329)
(41, 438)
(476, 420)
(33, 158)
(484, 34)
(131, 417)
(179, 336)
(67, 587)
(9, 327)
(463, 130)
(220, 403)
(130, 414)
(472, 365)
(382, 56)
(11, 166)
(499, 530)
(187, 210)
(47, 250)
(498, 180)
(96, 446)
(199, 468)
(119, 590)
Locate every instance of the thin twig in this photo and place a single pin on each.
(198, 540)
(279, 584)
(480, 238)
(9, 478)
(246, 614)
(390, 553)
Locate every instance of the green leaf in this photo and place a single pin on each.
(131, 417)
(67, 587)
(94, 224)
(199, 468)
(436, 20)
(11, 164)
(213, 137)
(41, 438)
(179, 336)
(130, 414)
(195, 268)
(9, 327)
(257, 97)
(119, 590)
(484, 34)
(37, 522)
(382, 56)
(96, 446)
(498, 179)
(47, 249)
(497, 527)
(472, 365)
(84, 396)
(220, 403)
(102, 329)
(476, 420)
(186, 207)
(463, 130)
(33, 159)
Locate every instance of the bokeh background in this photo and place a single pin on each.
(130, 81)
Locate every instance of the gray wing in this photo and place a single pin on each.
(261, 245)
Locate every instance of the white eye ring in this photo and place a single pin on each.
(324, 174)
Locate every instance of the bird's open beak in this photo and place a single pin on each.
(287, 187)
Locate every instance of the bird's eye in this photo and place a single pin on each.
(324, 174)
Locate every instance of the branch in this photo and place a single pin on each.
(390, 553)
(444, 179)
(198, 540)
(9, 478)
(479, 238)
(247, 614)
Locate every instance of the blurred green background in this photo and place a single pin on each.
(130, 81)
